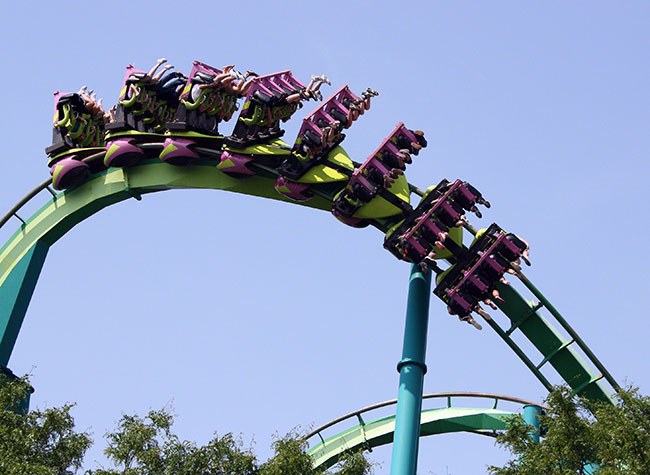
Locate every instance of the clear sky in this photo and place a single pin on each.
(253, 316)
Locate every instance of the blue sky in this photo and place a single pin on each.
(253, 316)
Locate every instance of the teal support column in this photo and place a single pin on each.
(531, 417)
(15, 293)
(411, 375)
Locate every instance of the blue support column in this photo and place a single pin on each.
(531, 417)
(411, 375)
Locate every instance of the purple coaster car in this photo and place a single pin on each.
(380, 170)
(293, 190)
(121, 152)
(68, 172)
(177, 151)
(428, 225)
(234, 164)
(477, 273)
(353, 222)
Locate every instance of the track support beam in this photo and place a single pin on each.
(15, 294)
(411, 370)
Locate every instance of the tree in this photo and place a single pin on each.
(146, 446)
(291, 458)
(45, 443)
(579, 432)
(39, 442)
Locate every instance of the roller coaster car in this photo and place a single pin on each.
(381, 175)
(474, 277)
(145, 106)
(317, 157)
(264, 108)
(78, 132)
(204, 102)
(329, 177)
(321, 132)
(433, 229)
(238, 163)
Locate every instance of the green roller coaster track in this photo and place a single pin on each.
(22, 258)
(378, 432)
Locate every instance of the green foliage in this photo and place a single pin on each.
(291, 458)
(622, 435)
(581, 432)
(45, 443)
(354, 463)
(40, 442)
(146, 446)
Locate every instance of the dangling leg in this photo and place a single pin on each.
(296, 97)
(243, 87)
(312, 89)
(310, 85)
(497, 296)
(476, 324)
(157, 77)
(366, 96)
(491, 304)
(153, 70)
(319, 82)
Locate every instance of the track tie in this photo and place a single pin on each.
(583, 386)
(555, 352)
(518, 323)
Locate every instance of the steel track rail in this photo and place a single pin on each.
(391, 402)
